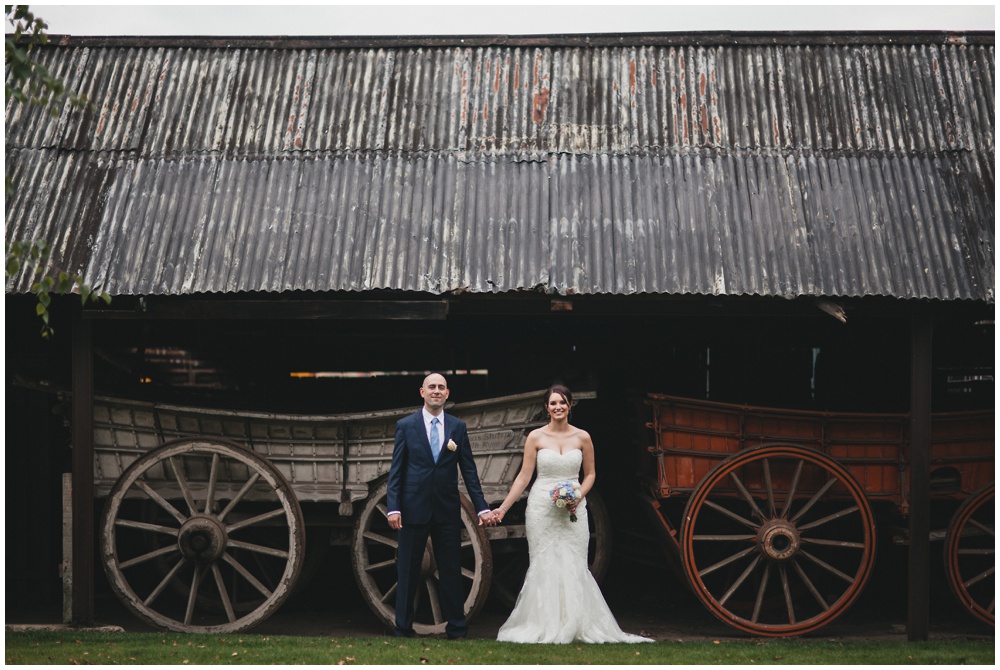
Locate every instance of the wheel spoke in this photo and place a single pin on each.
(382, 508)
(382, 539)
(770, 488)
(791, 490)
(192, 595)
(256, 519)
(223, 594)
(826, 566)
(980, 577)
(183, 484)
(986, 529)
(732, 515)
(788, 593)
(163, 582)
(469, 574)
(975, 552)
(390, 594)
(742, 578)
(760, 593)
(213, 478)
(746, 496)
(722, 538)
(257, 548)
(727, 561)
(161, 501)
(162, 551)
(152, 527)
(239, 496)
(378, 566)
(816, 498)
(432, 599)
(831, 517)
(810, 586)
(246, 574)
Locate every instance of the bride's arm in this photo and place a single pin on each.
(589, 473)
(523, 477)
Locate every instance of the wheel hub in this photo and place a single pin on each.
(202, 539)
(778, 539)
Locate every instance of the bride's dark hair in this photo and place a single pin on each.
(561, 390)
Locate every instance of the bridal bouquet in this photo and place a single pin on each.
(566, 494)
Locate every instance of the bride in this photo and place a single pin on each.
(560, 601)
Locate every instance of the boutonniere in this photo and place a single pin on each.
(451, 445)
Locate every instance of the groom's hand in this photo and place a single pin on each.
(395, 521)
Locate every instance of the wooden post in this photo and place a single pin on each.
(918, 612)
(83, 473)
(66, 567)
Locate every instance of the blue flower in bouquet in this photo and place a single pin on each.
(566, 494)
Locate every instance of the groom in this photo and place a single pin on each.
(423, 500)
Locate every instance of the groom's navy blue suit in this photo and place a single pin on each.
(426, 494)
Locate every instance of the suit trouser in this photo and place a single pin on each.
(446, 539)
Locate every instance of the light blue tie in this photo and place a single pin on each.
(435, 439)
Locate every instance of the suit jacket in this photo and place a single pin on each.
(422, 490)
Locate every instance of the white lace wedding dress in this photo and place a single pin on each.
(560, 601)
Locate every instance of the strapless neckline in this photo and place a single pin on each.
(564, 453)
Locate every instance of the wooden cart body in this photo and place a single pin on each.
(204, 527)
(768, 491)
(325, 458)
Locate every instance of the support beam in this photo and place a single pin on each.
(918, 612)
(83, 473)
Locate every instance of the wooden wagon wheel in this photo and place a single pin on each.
(509, 571)
(778, 540)
(969, 554)
(221, 549)
(373, 555)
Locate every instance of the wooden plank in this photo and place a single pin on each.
(66, 567)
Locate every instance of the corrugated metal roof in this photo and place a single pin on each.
(809, 168)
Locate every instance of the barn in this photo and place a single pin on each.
(303, 225)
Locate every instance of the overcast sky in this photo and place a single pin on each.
(504, 19)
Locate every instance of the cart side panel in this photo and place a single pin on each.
(693, 436)
(963, 456)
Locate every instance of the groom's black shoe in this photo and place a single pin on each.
(403, 633)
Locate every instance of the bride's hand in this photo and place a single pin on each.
(499, 513)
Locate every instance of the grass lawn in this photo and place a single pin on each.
(68, 647)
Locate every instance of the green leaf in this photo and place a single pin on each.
(106, 297)
(44, 298)
(13, 265)
(39, 309)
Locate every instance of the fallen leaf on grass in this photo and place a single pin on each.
(715, 642)
(423, 660)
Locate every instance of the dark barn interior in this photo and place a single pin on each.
(768, 352)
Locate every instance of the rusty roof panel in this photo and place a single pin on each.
(863, 168)
(495, 99)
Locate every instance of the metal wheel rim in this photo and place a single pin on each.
(779, 563)
(221, 576)
(373, 549)
(970, 554)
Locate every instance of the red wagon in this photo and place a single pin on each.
(778, 531)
